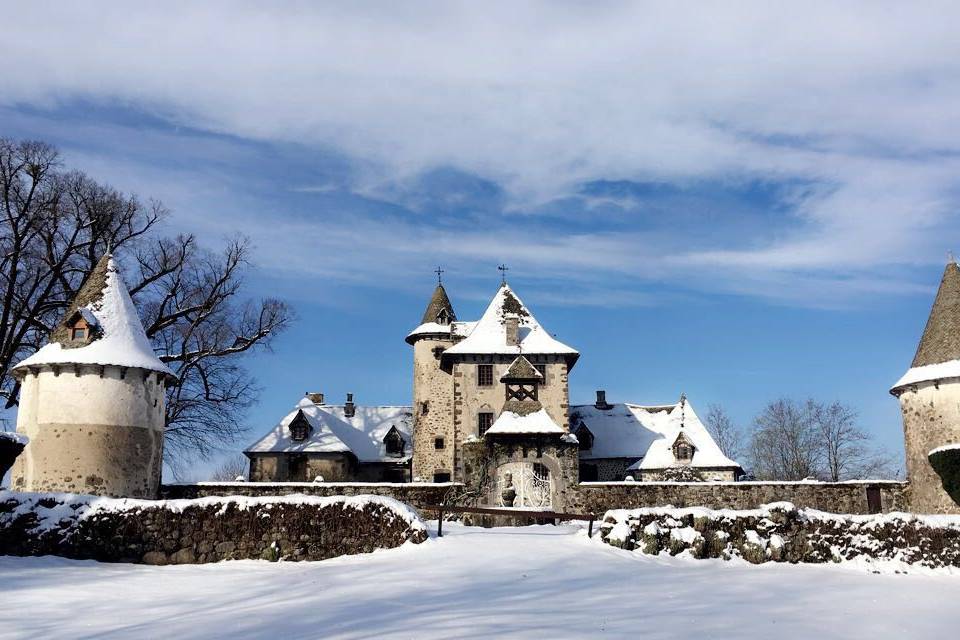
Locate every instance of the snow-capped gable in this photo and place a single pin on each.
(333, 431)
(120, 340)
(648, 432)
(683, 420)
(489, 336)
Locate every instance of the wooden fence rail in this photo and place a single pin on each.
(546, 515)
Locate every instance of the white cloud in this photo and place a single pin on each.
(859, 98)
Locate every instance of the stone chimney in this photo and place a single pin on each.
(512, 325)
(349, 409)
(601, 402)
(315, 397)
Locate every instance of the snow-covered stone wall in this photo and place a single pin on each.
(836, 497)
(781, 532)
(294, 527)
(416, 494)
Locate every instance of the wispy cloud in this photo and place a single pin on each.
(468, 135)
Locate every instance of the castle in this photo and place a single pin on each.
(496, 387)
(490, 409)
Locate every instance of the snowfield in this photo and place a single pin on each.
(473, 583)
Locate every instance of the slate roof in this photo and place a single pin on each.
(938, 355)
(335, 432)
(118, 337)
(489, 336)
(646, 433)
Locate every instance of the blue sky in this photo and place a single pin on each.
(739, 204)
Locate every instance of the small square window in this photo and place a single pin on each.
(78, 333)
(440, 476)
(438, 443)
(485, 375)
(542, 368)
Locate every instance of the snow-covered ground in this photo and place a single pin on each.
(473, 583)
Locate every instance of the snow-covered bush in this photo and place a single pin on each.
(681, 474)
(780, 532)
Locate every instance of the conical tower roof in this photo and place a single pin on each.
(938, 355)
(438, 302)
(941, 337)
(116, 333)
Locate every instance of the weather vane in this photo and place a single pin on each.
(439, 273)
(503, 272)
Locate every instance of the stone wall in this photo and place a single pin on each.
(203, 530)
(835, 497)
(415, 494)
(782, 533)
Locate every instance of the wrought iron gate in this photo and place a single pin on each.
(524, 484)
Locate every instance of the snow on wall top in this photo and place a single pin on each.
(536, 422)
(121, 340)
(335, 432)
(648, 432)
(16, 437)
(929, 373)
(489, 336)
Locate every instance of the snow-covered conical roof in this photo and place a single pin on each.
(118, 337)
(938, 355)
(431, 323)
(489, 336)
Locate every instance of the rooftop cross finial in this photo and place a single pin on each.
(503, 273)
(439, 273)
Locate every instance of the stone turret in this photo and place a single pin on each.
(929, 395)
(434, 453)
(92, 399)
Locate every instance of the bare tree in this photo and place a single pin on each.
(727, 436)
(54, 227)
(847, 451)
(232, 468)
(783, 444)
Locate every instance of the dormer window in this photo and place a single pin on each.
(78, 332)
(300, 427)
(393, 443)
(683, 449)
(80, 326)
(443, 317)
(584, 437)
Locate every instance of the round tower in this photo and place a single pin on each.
(929, 395)
(92, 399)
(433, 404)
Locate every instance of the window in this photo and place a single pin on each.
(297, 468)
(300, 428)
(78, 333)
(394, 442)
(485, 375)
(584, 437)
(424, 407)
(394, 475)
(438, 443)
(542, 368)
(684, 452)
(443, 317)
(441, 476)
(484, 422)
(521, 391)
(588, 473)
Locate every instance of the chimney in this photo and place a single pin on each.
(602, 401)
(512, 324)
(315, 397)
(349, 409)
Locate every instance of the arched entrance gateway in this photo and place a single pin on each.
(524, 485)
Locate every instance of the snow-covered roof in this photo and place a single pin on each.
(938, 354)
(333, 431)
(489, 336)
(648, 432)
(119, 338)
(428, 328)
(19, 438)
(536, 422)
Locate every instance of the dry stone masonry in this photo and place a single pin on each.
(203, 530)
(781, 532)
